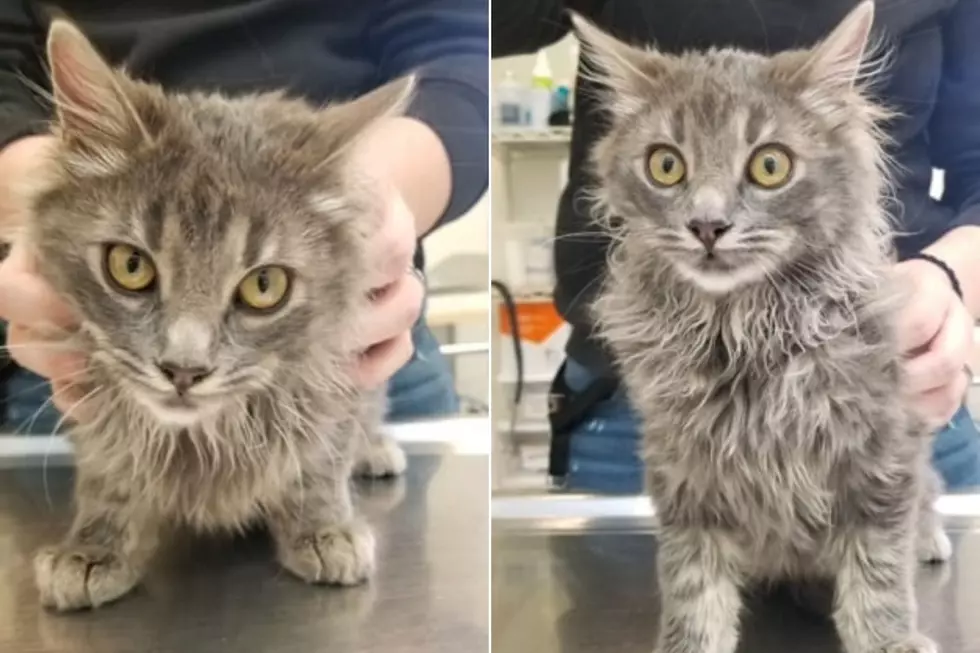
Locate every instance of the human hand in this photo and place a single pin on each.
(396, 298)
(936, 334)
(37, 318)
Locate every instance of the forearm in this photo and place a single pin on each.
(408, 154)
(18, 161)
(960, 250)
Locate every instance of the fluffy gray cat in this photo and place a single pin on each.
(216, 252)
(748, 306)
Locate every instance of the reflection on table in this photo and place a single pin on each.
(211, 595)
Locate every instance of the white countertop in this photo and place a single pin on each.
(460, 435)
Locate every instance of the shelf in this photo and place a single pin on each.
(453, 309)
(517, 137)
(530, 294)
(525, 427)
(533, 379)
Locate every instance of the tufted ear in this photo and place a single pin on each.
(92, 108)
(836, 62)
(629, 72)
(346, 122)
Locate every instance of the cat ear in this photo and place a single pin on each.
(836, 62)
(349, 120)
(628, 71)
(92, 107)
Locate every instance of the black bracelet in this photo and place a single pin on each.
(953, 280)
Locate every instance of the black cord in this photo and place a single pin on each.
(941, 264)
(511, 307)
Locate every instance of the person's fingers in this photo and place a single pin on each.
(26, 298)
(946, 355)
(929, 301)
(49, 359)
(20, 160)
(393, 311)
(378, 364)
(391, 249)
(940, 405)
(70, 399)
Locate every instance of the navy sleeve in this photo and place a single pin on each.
(955, 127)
(21, 46)
(446, 42)
(525, 26)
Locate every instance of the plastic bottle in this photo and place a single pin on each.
(509, 96)
(561, 105)
(539, 97)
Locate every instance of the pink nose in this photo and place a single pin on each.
(708, 231)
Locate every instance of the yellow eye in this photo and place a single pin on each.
(666, 166)
(129, 268)
(264, 289)
(770, 167)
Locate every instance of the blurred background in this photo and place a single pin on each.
(532, 110)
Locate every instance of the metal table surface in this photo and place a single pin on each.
(575, 574)
(217, 595)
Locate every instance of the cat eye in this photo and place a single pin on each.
(264, 289)
(770, 167)
(666, 166)
(129, 268)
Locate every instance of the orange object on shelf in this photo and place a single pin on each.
(538, 320)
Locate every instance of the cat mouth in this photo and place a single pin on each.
(175, 409)
(714, 261)
(179, 402)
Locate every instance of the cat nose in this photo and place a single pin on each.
(708, 231)
(184, 377)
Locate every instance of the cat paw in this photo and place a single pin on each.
(77, 577)
(934, 547)
(381, 459)
(914, 644)
(337, 555)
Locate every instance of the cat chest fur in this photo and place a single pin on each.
(761, 437)
(202, 479)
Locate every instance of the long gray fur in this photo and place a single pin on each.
(776, 435)
(209, 187)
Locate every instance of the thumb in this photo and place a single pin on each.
(21, 163)
(25, 297)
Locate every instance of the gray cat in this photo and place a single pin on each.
(748, 307)
(215, 249)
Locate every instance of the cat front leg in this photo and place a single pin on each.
(875, 610)
(700, 577)
(932, 544)
(104, 555)
(318, 537)
(378, 455)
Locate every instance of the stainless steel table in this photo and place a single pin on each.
(576, 574)
(213, 596)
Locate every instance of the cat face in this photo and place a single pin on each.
(210, 245)
(732, 166)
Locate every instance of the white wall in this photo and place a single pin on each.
(468, 236)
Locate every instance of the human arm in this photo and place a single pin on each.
(437, 156)
(938, 326)
(954, 138)
(525, 26)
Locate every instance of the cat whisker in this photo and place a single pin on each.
(47, 451)
(45, 382)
